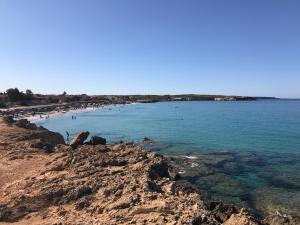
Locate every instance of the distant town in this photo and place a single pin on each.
(14, 101)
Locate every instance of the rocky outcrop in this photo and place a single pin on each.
(100, 184)
(79, 139)
(22, 123)
(8, 119)
(243, 217)
(96, 184)
(96, 140)
(28, 135)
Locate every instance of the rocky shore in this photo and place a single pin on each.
(45, 181)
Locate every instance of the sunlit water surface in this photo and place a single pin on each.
(248, 153)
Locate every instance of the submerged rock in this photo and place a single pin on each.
(286, 181)
(273, 199)
(147, 141)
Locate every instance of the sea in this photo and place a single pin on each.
(242, 152)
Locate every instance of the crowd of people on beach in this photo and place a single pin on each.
(43, 112)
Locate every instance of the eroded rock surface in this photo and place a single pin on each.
(93, 184)
(96, 140)
(79, 139)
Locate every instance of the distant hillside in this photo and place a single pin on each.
(14, 97)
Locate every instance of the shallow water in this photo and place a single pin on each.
(248, 152)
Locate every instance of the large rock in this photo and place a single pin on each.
(23, 123)
(79, 139)
(96, 140)
(52, 138)
(8, 119)
(32, 126)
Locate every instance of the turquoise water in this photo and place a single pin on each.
(247, 152)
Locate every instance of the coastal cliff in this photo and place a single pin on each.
(45, 181)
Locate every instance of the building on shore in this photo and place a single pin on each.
(225, 99)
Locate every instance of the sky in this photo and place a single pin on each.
(231, 47)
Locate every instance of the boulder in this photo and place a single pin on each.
(79, 139)
(23, 123)
(52, 138)
(32, 126)
(8, 119)
(96, 140)
(42, 144)
(41, 128)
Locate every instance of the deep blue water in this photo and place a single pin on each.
(252, 147)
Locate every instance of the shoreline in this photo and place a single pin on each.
(47, 108)
(43, 115)
(229, 216)
(195, 164)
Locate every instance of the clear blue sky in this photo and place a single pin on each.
(249, 47)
